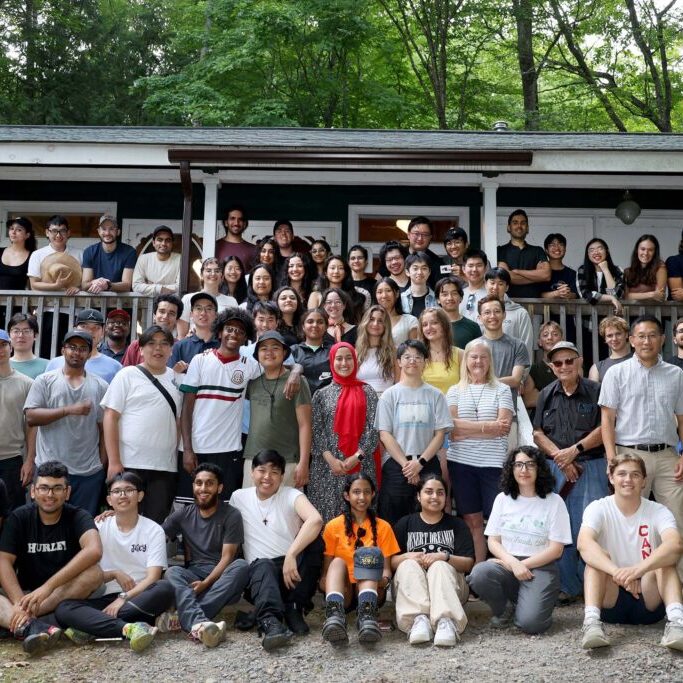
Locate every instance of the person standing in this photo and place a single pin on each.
(65, 406)
(474, 271)
(23, 330)
(419, 295)
(116, 331)
(203, 311)
(234, 244)
(614, 330)
(158, 272)
(677, 357)
(420, 233)
(139, 397)
(449, 294)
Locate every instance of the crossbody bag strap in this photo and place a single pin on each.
(160, 387)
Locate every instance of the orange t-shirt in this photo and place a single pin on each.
(338, 544)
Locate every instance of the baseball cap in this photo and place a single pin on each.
(368, 564)
(563, 346)
(455, 234)
(4, 337)
(275, 335)
(162, 228)
(118, 313)
(78, 334)
(203, 295)
(89, 315)
(108, 217)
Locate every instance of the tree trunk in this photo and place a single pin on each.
(523, 10)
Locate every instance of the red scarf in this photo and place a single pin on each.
(351, 413)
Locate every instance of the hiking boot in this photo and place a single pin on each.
(294, 618)
(334, 628)
(274, 633)
(140, 635)
(593, 635)
(446, 635)
(366, 623)
(168, 622)
(421, 630)
(504, 620)
(209, 633)
(78, 637)
(673, 635)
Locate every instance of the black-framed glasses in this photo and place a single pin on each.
(58, 489)
(360, 534)
(470, 302)
(528, 465)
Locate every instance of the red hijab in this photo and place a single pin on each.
(351, 413)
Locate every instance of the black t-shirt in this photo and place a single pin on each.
(418, 305)
(523, 259)
(43, 549)
(675, 360)
(451, 535)
(566, 275)
(4, 500)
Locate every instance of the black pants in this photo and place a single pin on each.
(87, 615)
(232, 464)
(10, 473)
(398, 498)
(160, 488)
(267, 590)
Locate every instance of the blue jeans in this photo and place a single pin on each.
(193, 608)
(591, 485)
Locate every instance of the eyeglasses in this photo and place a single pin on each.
(21, 331)
(77, 349)
(117, 493)
(470, 302)
(57, 231)
(525, 465)
(421, 235)
(393, 258)
(58, 489)
(566, 362)
(595, 250)
(230, 270)
(360, 534)
(413, 359)
(212, 271)
(237, 331)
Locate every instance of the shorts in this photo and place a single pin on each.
(630, 610)
(474, 488)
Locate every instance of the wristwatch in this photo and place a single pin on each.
(580, 447)
(422, 461)
(360, 456)
(448, 556)
(123, 596)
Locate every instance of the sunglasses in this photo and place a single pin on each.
(566, 362)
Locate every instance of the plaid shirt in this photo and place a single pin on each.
(592, 291)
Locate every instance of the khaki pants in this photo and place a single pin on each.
(660, 481)
(288, 480)
(438, 592)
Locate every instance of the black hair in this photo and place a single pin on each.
(498, 274)
(475, 253)
(324, 242)
(518, 212)
(320, 311)
(168, 298)
(420, 220)
(358, 247)
(448, 280)
(57, 219)
(23, 318)
(210, 467)
(412, 344)
(389, 281)
(277, 256)
(637, 274)
(355, 311)
(283, 222)
(252, 298)
(269, 456)
(240, 293)
(552, 237)
(589, 268)
(282, 326)
(225, 316)
(391, 245)
(454, 233)
(348, 515)
(345, 299)
(488, 300)
(418, 257)
(236, 207)
(647, 318)
(309, 274)
(30, 243)
(429, 477)
(266, 308)
(147, 336)
(545, 481)
(128, 477)
(52, 469)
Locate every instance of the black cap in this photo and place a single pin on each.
(89, 315)
(162, 228)
(275, 335)
(78, 334)
(203, 295)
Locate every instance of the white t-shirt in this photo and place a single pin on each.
(223, 300)
(628, 540)
(219, 400)
(271, 539)
(401, 329)
(527, 525)
(148, 437)
(369, 371)
(134, 551)
(39, 255)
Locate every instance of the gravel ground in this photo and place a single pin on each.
(484, 654)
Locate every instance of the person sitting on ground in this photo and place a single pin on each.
(615, 331)
(212, 531)
(630, 546)
(283, 548)
(357, 565)
(419, 295)
(527, 529)
(133, 559)
(49, 552)
(429, 573)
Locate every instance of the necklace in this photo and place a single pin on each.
(264, 516)
(271, 394)
(476, 405)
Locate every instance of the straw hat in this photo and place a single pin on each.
(59, 265)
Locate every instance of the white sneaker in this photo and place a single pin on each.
(446, 635)
(593, 635)
(421, 631)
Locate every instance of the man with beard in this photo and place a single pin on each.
(158, 272)
(212, 531)
(116, 331)
(233, 244)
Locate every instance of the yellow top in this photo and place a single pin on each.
(435, 372)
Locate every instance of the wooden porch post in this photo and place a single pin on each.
(489, 242)
(186, 182)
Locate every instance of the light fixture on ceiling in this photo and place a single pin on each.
(627, 209)
(402, 224)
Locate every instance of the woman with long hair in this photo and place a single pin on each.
(234, 279)
(403, 325)
(598, 279)
(377, 364)
(210, 277)
(482, 411)
(338, 274)
(344, 435)
(313, 353)
(429, 574)
(297, 273)
(268, 254)
(320, 252)
(337, 304)
(358, 262)
(14, 258)
(442, 369)
(646, 277)
(392, 263)
(261, 286)
(527, 531)
(357, 563)
(290, 306)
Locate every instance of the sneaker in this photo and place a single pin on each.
(366, 623)
(168, 622)
(140, 635)
(294, 618)
(209, 633)
(593, 635)
(504, 620)
(446, 635)
(78, 637)
(673, 635)
(334, 628)
(274, 633)
(421, 630)
(37, 636)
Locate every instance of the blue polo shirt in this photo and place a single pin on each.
(188, 348)
(109, 265)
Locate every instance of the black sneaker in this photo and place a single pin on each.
(294, 618)
(245, 621)
(37, 636)
(366, 623)
(334, 628)
(274, 633)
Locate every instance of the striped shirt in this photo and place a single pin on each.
(219, 392)
(479, 403)
(647, 401)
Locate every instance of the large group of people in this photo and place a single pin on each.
(300, 426)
